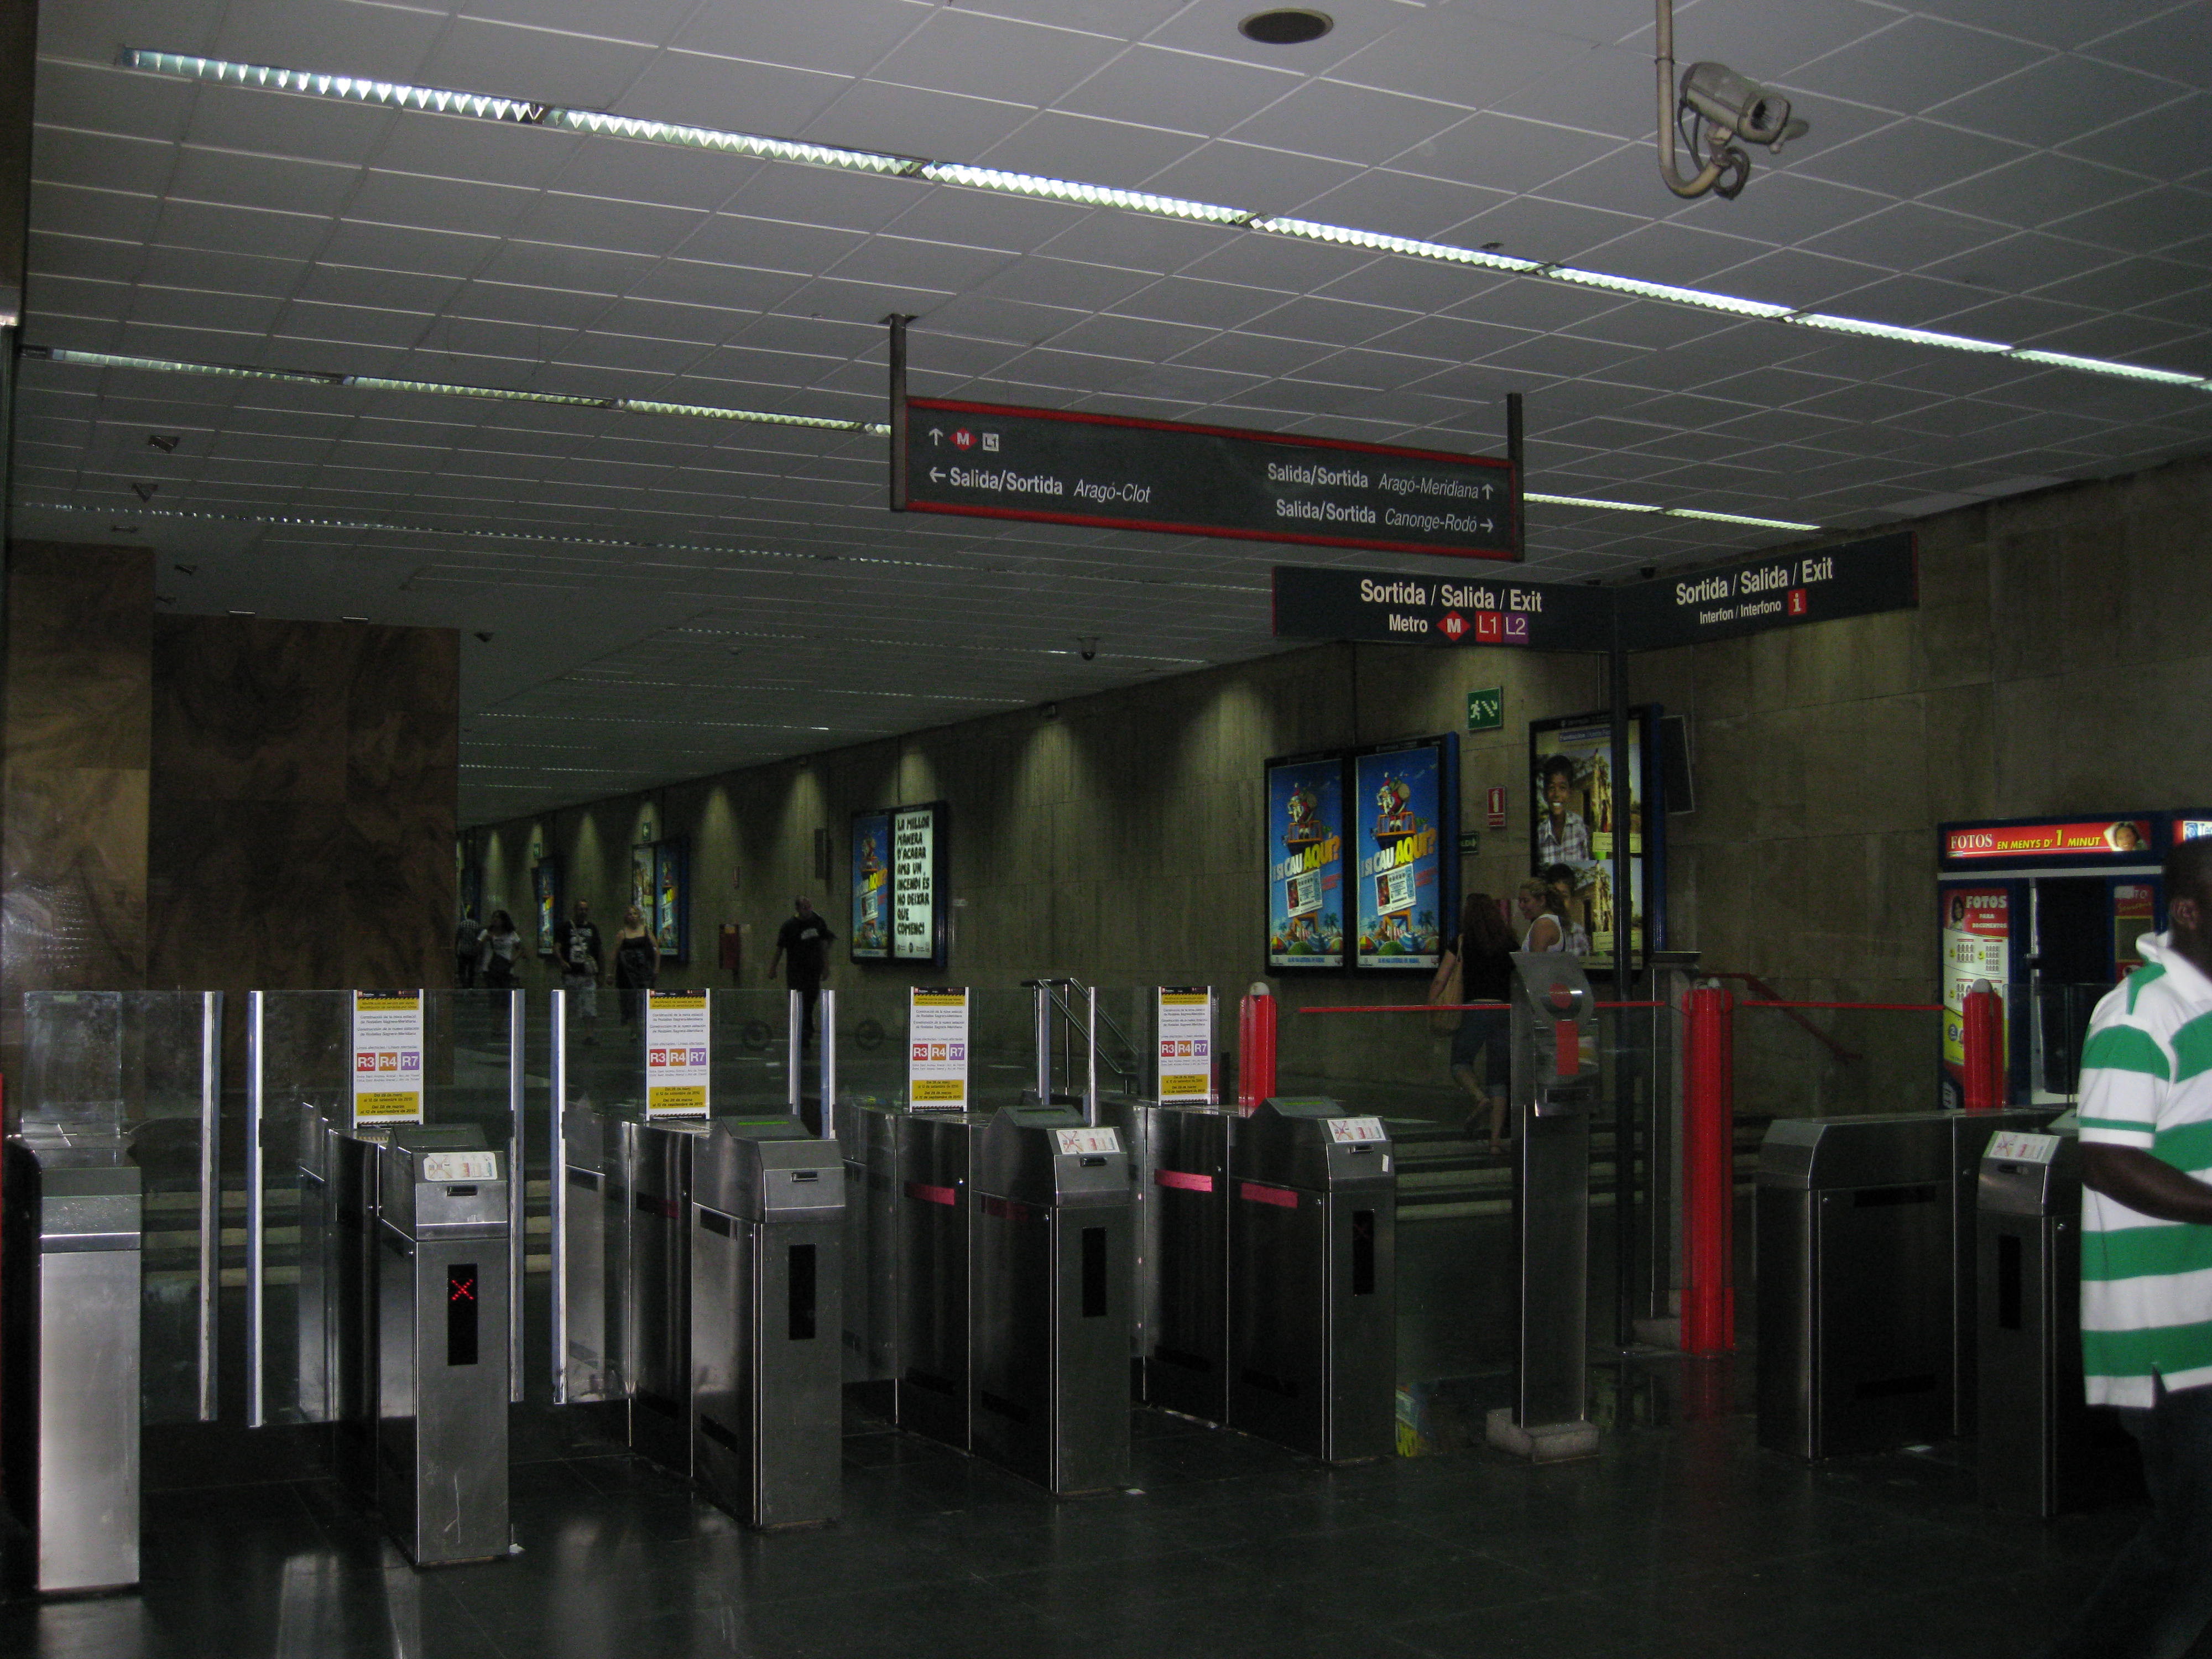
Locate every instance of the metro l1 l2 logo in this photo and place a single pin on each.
(1451, 625)
(1489, 629)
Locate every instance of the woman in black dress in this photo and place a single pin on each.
(1481, 1061)
(637, 961)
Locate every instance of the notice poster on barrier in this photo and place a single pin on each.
(388, 1057)
(936, 1057)
(675, 1052)
(1185, 1047)
(1977, 946)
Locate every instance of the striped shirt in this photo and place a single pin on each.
(2147, 1083)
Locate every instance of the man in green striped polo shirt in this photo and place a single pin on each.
(2145, 1107)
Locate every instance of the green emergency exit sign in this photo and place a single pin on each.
(1485, 710)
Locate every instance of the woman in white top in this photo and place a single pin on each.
(1542, 931)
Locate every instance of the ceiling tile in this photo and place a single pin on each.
(519, 61)
(1151, 86)
(1914, 64)
(733, 93)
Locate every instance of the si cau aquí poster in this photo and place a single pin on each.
(1399, 838)
(1305, 863)
(869, 937)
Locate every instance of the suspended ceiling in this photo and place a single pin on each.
(670, 595)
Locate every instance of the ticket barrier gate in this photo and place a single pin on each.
(873, 1191)
(656, 1339)
(443, 1288)
(595, 1233)
(1313, 1280)
(2041, 1449)
(767, 1405)
(71, 1256)
(1182, 1252)
(1052, 1291)
(1866, 1281)
(934, 1249)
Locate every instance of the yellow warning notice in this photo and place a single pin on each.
(940, 1088)
(677, 1100)
(1176, 1085)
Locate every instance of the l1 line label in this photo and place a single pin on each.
(994, 461)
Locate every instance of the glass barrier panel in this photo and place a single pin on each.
(1799, 1055)
(750, 1053)
(870, 1030)
(1002, 1048)
(139, 1067)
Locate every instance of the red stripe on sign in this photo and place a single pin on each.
(947, 1196)
(1189, 1183)
(1281, 1197)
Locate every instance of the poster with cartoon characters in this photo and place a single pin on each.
(1404, 838)
(870, 937)
(1305, 863)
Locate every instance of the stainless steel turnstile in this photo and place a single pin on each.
(2040, 1448)
(345, 1305)
(1183, 1245)
(933, 1228)
(71, 1257)
(767, 1286)
(443, 1291)
(1051, 1293)
(1313, 1280)
(594, 1222)
(656, 1344)
(1866, 1298)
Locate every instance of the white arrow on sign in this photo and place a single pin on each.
(935, 434)
(935, 474)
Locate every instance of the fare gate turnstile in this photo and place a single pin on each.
(595, 1234)
(1051, 1293)
(2041, 1449)
(346, 1307)
(72, 1255)
(873, 1192)
(767, 1288)
(1182, 1246)
(933, 1246)
(1313, 1280)
(656, 1344)
(1866, 1298)
(443, 1289)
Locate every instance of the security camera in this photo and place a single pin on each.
(1090, 647)
(1714, 108)
(486, 638)
(1738, 107)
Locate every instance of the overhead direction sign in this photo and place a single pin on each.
(1368, 604)
(1749, 596)
(987, 460)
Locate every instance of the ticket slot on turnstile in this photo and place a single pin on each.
(70, 1414)
(1312, 1280)
(766, 1286)
(1051, 1293)
(444, 1278)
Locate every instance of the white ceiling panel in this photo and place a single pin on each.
(1988, 169)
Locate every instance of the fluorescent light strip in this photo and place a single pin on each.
(484, 107)
(442, 389)
(1664, 512)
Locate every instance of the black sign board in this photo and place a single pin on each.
(984, 460)
(1371, 604)
(1855, 578)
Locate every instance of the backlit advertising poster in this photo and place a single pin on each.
(1977, 946)
(1305, 863)
(917, 887)
(388, 1057)
(545, 884)
(669, 916)
(1404, 852)
(1186, 1040)
(676, 1049)
(869, 939)
(2092, 838)
(1571, 825)
(937, 1055)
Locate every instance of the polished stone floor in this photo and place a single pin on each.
(1680, 1538)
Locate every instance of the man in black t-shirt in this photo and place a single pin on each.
(803, 945)
(580, 953)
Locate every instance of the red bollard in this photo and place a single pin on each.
(1982, 1035)
(1256, 1050)
(1709, 1173)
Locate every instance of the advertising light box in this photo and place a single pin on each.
(1305, 862)
(1404, 853)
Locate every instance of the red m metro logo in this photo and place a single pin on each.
(1451, 625)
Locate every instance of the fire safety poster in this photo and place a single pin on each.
(676, 1054)
(1398, 875)
(388, 1057)
(937, 1052)
(1305, 863)
(1977, 946)
(1186, 1029)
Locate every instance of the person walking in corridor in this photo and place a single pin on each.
(802, 944)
